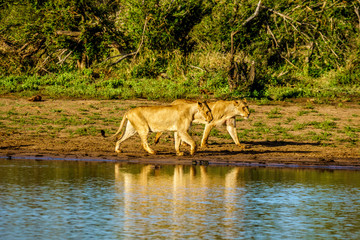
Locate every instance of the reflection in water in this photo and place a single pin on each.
(178, 203)
(79, 200)
(231, 203)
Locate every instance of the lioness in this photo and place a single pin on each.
(176, 118)
(223, 112)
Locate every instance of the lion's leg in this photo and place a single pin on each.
(129, 132)
(184, 136)
(177, 144)
(143, 136)
(157, 137)
(206, 133)
(231, 128)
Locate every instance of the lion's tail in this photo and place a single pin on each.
(118, 131)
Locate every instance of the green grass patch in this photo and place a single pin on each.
(303, 112)
(325, 125)
(320, 137)
(87, 131)
(192, 83)
(274, 113)
(289, 120)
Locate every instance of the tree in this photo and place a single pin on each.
(48, 33)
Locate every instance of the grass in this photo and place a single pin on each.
(82, 85)
(290, 119)
(87, 131)
(176, 82)
(274, 113)
(303, 112)
(319, 137)
(326, 125)
(306, 124)
(309, 105)
(55, 122)
(314, 88)
(215, 133)
(277, 125)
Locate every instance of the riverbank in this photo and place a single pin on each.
(301, 133)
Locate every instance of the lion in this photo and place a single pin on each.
(176, 118)
(223, 112)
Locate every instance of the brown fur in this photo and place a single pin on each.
(176, 118)
(223, 112)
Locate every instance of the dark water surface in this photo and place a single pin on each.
(88, 200)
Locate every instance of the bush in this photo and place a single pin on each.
(347, 77)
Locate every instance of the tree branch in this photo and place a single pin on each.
(356, 9)
(272, 35)
(61, 61)
(254, 15)
(280, 14)
(204, 70)
(132, 53)
(142, 37)
(243, 24)
(69, 33)
(123, 57)
(288, 61)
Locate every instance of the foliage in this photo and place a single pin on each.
(275, 49)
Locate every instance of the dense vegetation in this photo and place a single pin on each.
(165, 49)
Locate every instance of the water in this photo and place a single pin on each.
(87, 200)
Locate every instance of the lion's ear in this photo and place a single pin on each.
(244, 100)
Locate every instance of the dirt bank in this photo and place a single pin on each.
(277, 134)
